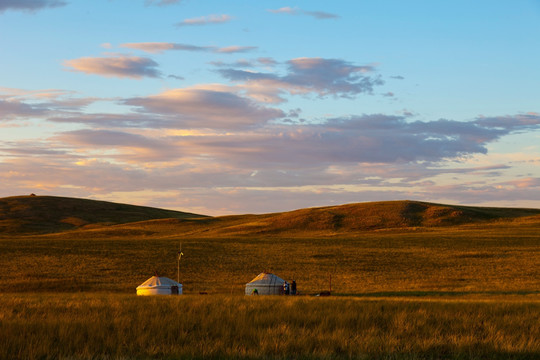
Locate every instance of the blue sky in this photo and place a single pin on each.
(224, 107)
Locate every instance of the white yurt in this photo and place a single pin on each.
(158, 285)
(265, 284)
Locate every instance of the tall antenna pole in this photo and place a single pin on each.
(180, 253)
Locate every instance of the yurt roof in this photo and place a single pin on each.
(267, 279)
(158, 281)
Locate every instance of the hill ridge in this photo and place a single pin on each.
(49, 214)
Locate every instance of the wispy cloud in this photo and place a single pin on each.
(18, 104)
(266, 62)
(106, 120)
(121, 66)
(205, 20)
(320, 15)
(29, 5)
(160, 47)
(177, 77)
(236, 49)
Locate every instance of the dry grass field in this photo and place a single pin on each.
(493, 259)
(410, 281)
(105, 326)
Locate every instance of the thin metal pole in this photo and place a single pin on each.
(178, 256)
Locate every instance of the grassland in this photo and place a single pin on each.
(95, 326)
(494, 259)
(411, 281)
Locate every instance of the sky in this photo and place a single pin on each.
(256, 106)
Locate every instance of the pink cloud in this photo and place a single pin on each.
(121, 66)
(201, 108)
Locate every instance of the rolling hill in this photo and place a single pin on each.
(51, 214)
(24, 215)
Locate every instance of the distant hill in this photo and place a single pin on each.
(391, 214)
(89, 218)
(51, 214)
(353, 218)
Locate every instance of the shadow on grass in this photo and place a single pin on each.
(436, 353)
(437, 293)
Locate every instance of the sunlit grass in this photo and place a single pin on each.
(457, 292)
(472, 259)
(41, 326)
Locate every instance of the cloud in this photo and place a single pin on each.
(307, 75)
(14, 109)
(160, 47)
(205, 108)
(29, 5)
(102, 120)
(177, 77)
(205, 20)
(377, 139)
(367, 139)
(110, 138)
(285, 10)
(242, 63)
(20, 104)
(521, 121)
(344, 159)
(203, 188)
(320, 15)
(245, 63)
(236, 49)
(267, 61)
(116, 66)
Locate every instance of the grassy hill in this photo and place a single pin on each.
(386, 215)
(51, 214)
(100, 219)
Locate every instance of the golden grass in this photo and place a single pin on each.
(494, 259)
(468, 291)
(94, 326)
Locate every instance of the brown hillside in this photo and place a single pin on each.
(99, 219)
(368, 216)
(335, 220)
(51, 214)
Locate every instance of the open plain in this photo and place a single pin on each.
(409, 280)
